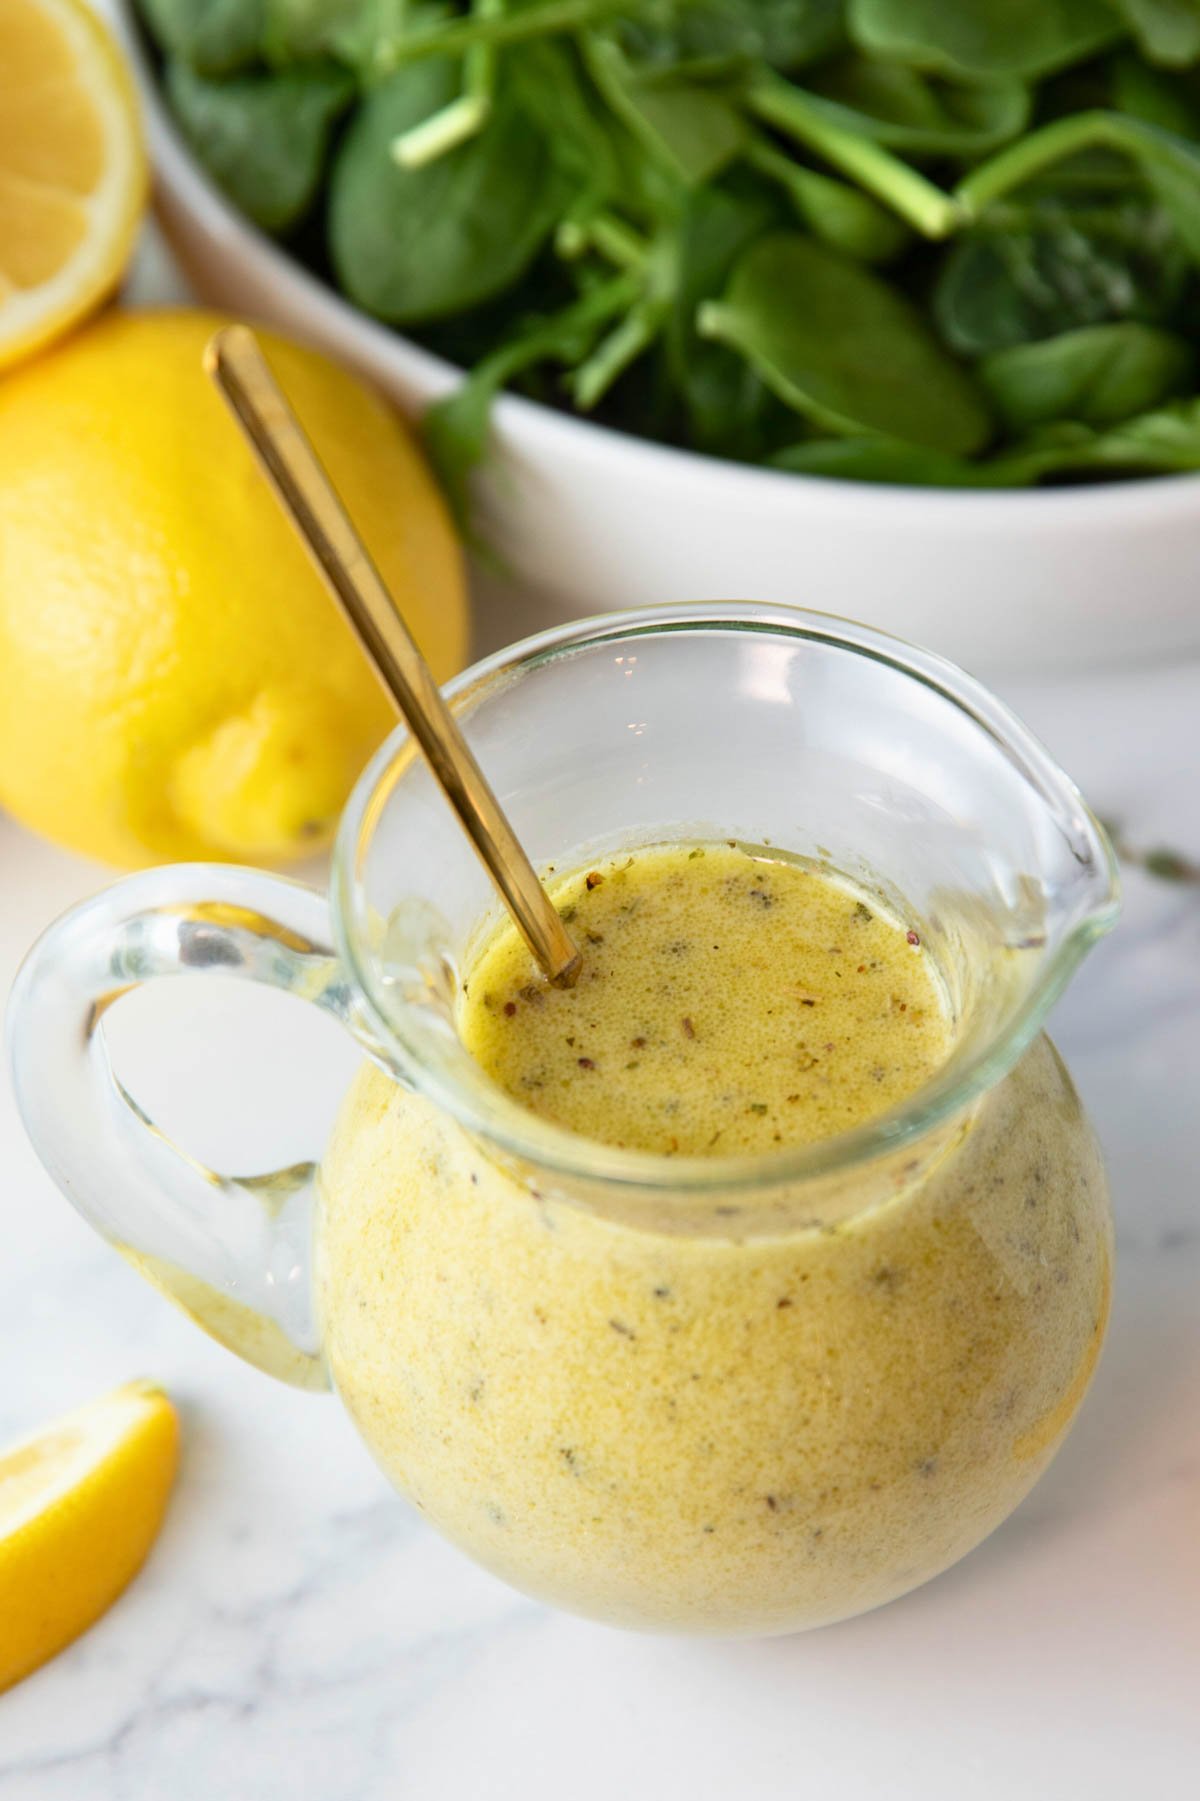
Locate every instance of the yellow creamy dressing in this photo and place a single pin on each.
(729, 1003)
(697, 1431)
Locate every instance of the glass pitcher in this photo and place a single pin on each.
(737, 1395)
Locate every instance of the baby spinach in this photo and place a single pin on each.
(1098, 375)
(692, 128)
(262, 138)
(593, 151)
(214, 37)
(1054, 266)
(1162, 442)
(918, 113)
(1168, 30)
(843, 349)
(717, 34)
(727, 404)
(456, 429)
(984, 38)
(951, 242)
(304, 30)
(833, 211)
(417, 244)
(887, 460)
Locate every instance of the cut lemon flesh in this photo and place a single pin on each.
(80, 1505)
(72, 169)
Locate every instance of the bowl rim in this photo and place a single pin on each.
(178, 172)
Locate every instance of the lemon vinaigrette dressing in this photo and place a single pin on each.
(730, 1002)
(693, 1429)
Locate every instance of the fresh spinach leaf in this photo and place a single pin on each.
(1170, 164)
(716, 34)
(1170, 101)
(549, 84)
(262, 138)
(1057, 267)
(840, 215)
(213, 37)
(807, 120)
(1170, 104)
(844, 349)
(887, 460)
(984, 38)
(1163, 442)
(455, 430)
(693, 129)
(420, 244)
(348, 30)
(726, 403)
(1098, 375)
(1166, 441)
(605, 188)
(1167, 30)
(921, 114)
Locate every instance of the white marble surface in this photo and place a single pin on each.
(299, 1635)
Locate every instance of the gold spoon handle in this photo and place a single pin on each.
(236, 363)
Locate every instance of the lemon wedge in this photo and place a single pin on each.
(80, 1505)
(72, 169)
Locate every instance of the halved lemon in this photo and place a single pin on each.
(72, 169)
(80, 1505)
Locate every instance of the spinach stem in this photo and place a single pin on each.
(613, 355)
(442, 132)
(840, 214)
(552, 19)
(1018, 163)
(463, 118)
(550, 338)
(909, 193)
(615, 241)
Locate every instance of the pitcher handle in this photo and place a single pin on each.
(233, 1252)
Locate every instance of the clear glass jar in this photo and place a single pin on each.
(733, 1395)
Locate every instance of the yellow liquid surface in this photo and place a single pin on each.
(717, 1431)
(728, 1003)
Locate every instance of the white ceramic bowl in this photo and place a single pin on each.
(591, 519)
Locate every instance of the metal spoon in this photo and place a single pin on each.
(234, 359)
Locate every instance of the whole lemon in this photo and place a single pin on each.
(175, 681)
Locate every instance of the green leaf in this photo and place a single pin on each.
(262, 138)
(412, 245)
(807, 119)
(213, 37)
(785, 34)
(921, 114)
(844, 349)
(1171, 165)
(1164, 441)
(725, 400)
(549, 84)
(984, 38)
(840, 215)
(1168, 104)
(1167, 30)
(1058, 266)
(1172, 102)
(1099, 375)
(694, 130)
(886, 460)
(455, 430)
